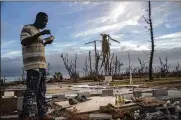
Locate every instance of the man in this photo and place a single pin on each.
(34, 61)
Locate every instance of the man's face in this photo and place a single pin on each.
(43, 22)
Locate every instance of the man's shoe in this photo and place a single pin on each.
(47, 117)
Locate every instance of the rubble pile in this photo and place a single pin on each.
(150, 109)
(170, 110)
(68, 114)
(149, 102)
(116, 113)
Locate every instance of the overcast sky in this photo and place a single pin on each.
(75, 23)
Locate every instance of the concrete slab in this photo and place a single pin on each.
(91, 105)
(137, 93)
(19, 103)
(59, 97)
(70, 95)
(100, 116)
(63, 104)
(9, 117)
(87, 94)
(8, 93)
(108, 92)
(95, 94)
(147, 95)
(60, 118)
(144, 90)
(12, 117)
(160, 92)
(174, 93)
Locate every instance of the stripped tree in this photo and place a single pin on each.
(141, 68)
(120, 64)
(111, 67)
(49, 68)
(90, 62)
(164, 67)
(178, 70)
(149, 22)
(86, 67)
(106, 52)
(116, 66)
(97, 58)
(71, 66)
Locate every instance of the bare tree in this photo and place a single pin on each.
(97, 57)
(49, 68)
(130, 70)
(119, 65)
(164, 67)
(71, 66)
(3, 81)
(149, 22)
(110, 65)
(86, 70)
(106, 52)
(90, 63)
(141, 68)
(178, 70)
(116, 66)
(23, 74)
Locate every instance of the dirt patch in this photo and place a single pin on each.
(54, 91)
(8, 106)
(170, 86)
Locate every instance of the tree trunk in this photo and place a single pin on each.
(152, 46)
(110, 65)
(116, 66)
(96, 61)
(90, 62)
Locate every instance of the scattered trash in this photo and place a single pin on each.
(170, 110)
(73, 101)
(81, 98)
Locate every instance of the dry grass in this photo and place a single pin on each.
(54, 91)
(158, 81)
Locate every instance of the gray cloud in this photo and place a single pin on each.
(14, 67)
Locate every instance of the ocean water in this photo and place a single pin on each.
(15, 78)
(11, 79)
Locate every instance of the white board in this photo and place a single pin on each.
(9, 93)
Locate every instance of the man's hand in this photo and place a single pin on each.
(48, 42)
(44, 32)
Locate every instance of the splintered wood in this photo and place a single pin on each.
(149, 102)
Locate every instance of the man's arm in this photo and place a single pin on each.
(27, 39)
(44, 43)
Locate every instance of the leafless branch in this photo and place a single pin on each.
(145, 52)
(146, 20)
(147, 28)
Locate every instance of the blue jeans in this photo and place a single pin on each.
(35, 92)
